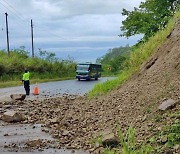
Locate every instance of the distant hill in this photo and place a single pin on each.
(113, 53)
(113, 61)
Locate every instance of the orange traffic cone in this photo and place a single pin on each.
(36, 91)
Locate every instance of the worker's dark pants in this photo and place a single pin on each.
(27, 87)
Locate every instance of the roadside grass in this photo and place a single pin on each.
(12, 67)
(33, 81)
(35, 77)
(166, 139)
(173, 135)
(127, 144)
(137, 58)
(103, 88)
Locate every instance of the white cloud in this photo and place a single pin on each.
(69, 8)
(91, 25)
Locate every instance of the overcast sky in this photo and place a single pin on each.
(84, 30)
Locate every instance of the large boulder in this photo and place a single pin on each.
(35, 143)
(110, 140)
(20, 97)
(12, 116)
(170, 103)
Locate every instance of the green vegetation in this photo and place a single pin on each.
(173, 135)
(151, 16)
(169, 136)
(127, 144)
(143, 21)
(159, 142)
(112, 62)
(45, 67)
(139, 54)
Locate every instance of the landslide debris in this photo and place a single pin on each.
(75, 120)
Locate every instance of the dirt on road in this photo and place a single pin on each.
(75, 120)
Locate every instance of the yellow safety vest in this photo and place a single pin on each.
(26, 76)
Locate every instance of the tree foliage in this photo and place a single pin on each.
(114, 59)
(114, 53)
(150, 17)
(46, 65)
(49, 56)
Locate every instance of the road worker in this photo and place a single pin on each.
(25, 79)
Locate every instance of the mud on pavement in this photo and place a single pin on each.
(29, 134)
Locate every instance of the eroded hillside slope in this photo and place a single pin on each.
(136, 102)
(75, 121)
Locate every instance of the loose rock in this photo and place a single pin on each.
(12, 116)
(16, 97)
(110, 140)
(34, 143)
(167, 104)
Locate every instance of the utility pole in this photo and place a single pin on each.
(32, 39)
(7, 34)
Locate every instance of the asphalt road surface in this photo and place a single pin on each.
(20, 134)
(52, 89)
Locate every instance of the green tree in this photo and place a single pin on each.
(49, 56)
(117, 63)
(114, 53)
(150, 17)
(21, 51)
(114, 59)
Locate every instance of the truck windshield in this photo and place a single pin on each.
(82, 67)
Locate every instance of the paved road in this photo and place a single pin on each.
(51, 89)
(20, 134)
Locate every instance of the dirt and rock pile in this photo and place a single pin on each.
(75, 120)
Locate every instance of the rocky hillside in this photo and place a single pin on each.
(74, 121)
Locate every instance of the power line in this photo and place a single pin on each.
(2, 10)
(6, 7)
(24, 18)
(18, 14)
(13, 12)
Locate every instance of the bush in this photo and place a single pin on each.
(2, 69)
(11, 67)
